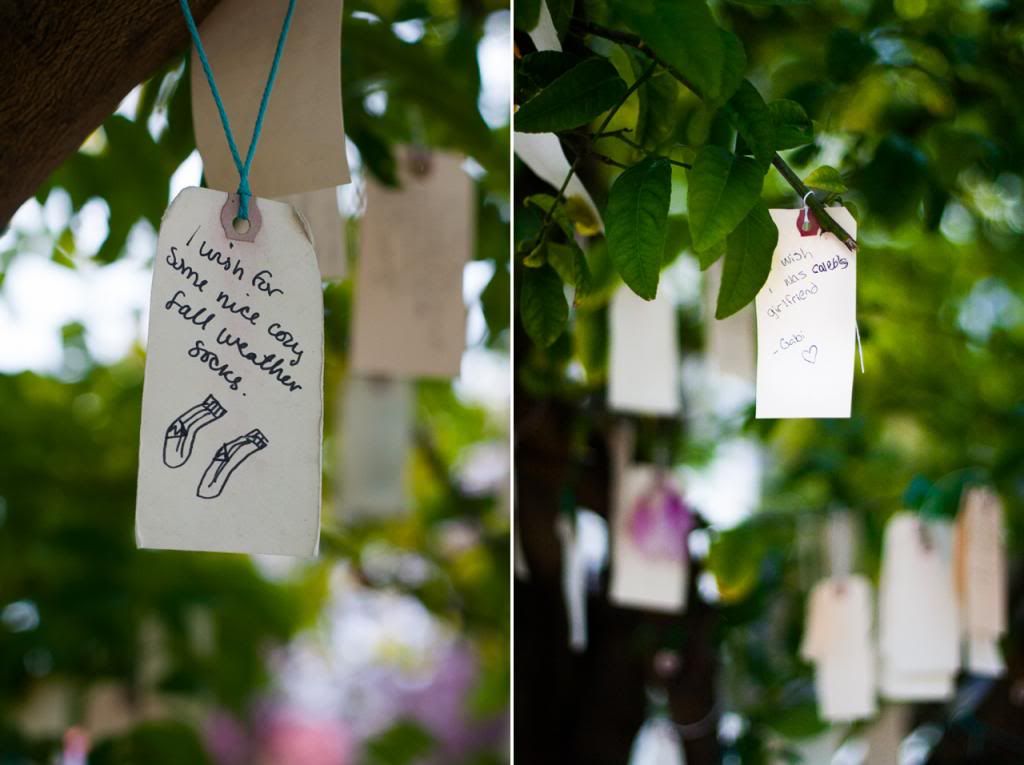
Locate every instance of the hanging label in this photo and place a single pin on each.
(302, 144)
(650, 562)
(806, 323)
(542, 153)
(410, 319)
(643, 374)
(729, 342)
(320, 210)
(376, 441)
(229, 453)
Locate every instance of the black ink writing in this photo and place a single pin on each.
(229, 264)
(270, 363)
(214, 364)
(287, 339)
(262, 282)
(198, 316)
(177, 263)
(228, 303)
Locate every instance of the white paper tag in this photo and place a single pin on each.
(302, 144)
(320, 210)
(729, 342)
(232, 405)
(650, 562)
(376, 441)
(643, 369)
(806, 323)
(542, 153)
(410, 319)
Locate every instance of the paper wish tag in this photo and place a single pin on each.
(806, 322)
(376, 442)
(410, 319)
(643, 368)
(652, 524)
(232, 403)
(302, 144)
(320, 210)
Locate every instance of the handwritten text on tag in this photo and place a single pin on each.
(229, 454)
(806, 323)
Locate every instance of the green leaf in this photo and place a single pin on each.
(847, 55)
(707, 258)
(527, 14)
(734, 65)
(722, 189)
(635, 221)
(828, 179)
(494, 301)
(542, 305)
(573, 99)
(767, 3)
(748, 260)
(792, 125)
(570, 264)
(753, 120)
(536, 71)
(683, 34)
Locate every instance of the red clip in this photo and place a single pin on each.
(806, 223)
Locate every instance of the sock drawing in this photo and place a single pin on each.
(226, 461)
(181, 433)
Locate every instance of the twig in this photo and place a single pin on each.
(825, 220)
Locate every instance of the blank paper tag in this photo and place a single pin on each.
(229, 453)
(644, 357)
(730, 341)
(320, 209)
(376, 441)
(410, 320)
(650, 563)
(806, 323)
(302, 145)
(542, 153)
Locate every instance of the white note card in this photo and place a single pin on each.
(806, 322)
(232, 403)
(643, 369)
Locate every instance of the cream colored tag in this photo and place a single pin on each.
(410, 320)
(643, 367)
(807, 323)
(229, 454)
(320, 209)
(730, 342)
(302, 145)
(650, 564)
(376, 442)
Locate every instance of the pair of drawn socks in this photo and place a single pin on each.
(226, 461)
(180, 436)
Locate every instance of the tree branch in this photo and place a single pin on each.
(825, 220)
(67, 65)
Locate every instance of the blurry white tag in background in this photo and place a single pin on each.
(643, 367)
(376, 441)
(806, 322)
(320, 209)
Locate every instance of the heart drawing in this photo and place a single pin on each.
(811, 354)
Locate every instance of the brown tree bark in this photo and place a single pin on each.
(66, 64)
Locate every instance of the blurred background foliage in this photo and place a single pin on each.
(166, 657)
(916, 105)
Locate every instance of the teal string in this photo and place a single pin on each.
(243, 167)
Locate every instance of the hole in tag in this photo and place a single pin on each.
(240, 225)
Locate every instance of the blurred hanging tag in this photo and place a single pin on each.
(544, 35)
(302, 145)
(410, 319)
(657, 743)
(643, 374)
(376, 441)
(320, 210)
(806, 323)
(574, 580)
(542, 153)
(729, 342)
(650, 562)
(229, 453)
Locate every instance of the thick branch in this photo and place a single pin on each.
(67, 65)
(826, 221)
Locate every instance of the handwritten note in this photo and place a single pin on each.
(806, 322)
(410, 319)
(229, 453)
(643, 367)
